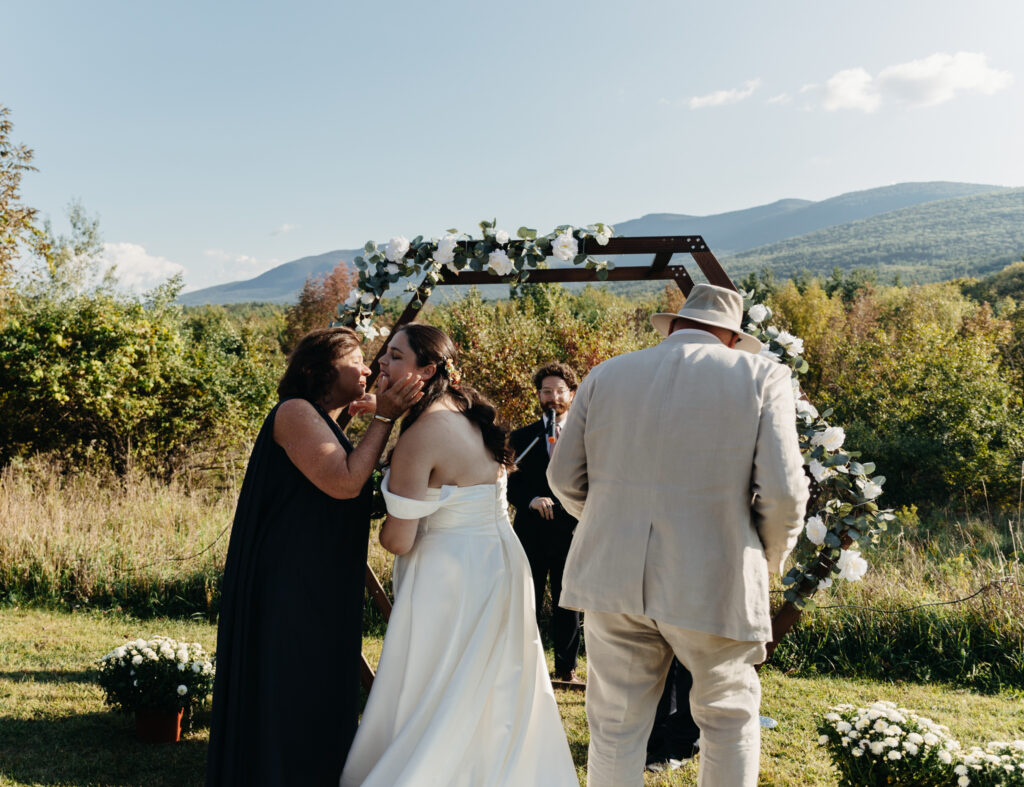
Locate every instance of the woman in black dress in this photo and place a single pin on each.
(286, 696)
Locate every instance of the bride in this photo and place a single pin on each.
(462, 696)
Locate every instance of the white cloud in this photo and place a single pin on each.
(782, 98)
(940, 77)
(851, 89)
(927, 82)
(137, 269)
(285, 228)
(722, 97)
(228, 266)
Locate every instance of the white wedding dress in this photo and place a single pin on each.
(462, 696)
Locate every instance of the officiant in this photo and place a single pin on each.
(543, 526)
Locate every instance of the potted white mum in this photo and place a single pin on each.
(159, 680)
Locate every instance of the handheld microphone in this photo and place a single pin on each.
(552, 425)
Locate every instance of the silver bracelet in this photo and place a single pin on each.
(383, 418)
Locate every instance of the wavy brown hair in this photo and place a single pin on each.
(310, 371)
(432, 345)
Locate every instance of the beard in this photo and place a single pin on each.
(560, 408)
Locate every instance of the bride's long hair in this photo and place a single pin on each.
(432, 345)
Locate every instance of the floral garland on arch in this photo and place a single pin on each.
(846, 500)
(496, 251)
(846, 511)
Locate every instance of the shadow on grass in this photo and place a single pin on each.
(96, 748)
(50, 676)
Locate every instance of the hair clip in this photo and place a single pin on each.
(454, 377)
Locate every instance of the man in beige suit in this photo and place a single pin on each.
(682, 464)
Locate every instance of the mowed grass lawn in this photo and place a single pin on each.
(55, 729)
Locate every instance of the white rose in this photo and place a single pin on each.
(806, 410)
(793, 345)
(392, 268)
(565, 246)
(816, 530)
(182, 690)
(396, 248)
(852, 567)
(758, 313)
(384, 331)
(501, 237)
(353, 296)
(445, 253)
(137, 660)
(367, 298)
(819, 471)
(499, 262)
(825, 584)
(603, 236)
(870, 489)
(832, 438)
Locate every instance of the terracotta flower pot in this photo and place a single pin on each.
(158, 726)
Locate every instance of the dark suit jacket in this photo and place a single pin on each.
(530, 481)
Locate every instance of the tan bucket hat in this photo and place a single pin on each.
(711, 305)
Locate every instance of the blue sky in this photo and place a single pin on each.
(222, 139)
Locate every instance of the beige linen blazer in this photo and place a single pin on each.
(682, 464)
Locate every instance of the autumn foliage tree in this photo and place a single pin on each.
(318, 303)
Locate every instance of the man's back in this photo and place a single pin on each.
(672, 443)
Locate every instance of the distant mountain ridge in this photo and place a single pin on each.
(775, 234)
(966, 236)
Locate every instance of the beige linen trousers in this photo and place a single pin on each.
(682, 464)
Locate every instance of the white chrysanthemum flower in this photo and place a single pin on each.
(140, 644)
(915, 737)
(844, 727)
(877, 747)
(911, 748)
(197, 667)
(758, 313)
(182, 690)
(822, 740)
(963, 781)
(565, 246)
(831, 438)
(894, 755)
(880, 725)
(930, 738)
(960, 770)
(856, 752)
(137, 660)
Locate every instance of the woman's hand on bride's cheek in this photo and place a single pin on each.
(367, 403)
(399, 396)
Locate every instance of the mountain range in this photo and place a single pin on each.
(918, 231)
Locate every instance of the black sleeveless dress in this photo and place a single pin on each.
(286, 696)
